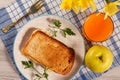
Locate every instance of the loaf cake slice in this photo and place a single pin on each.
(49, 52)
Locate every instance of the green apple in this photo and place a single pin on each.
(98, 58)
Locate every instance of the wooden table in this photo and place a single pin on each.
(7, 71)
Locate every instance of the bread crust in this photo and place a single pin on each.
(49, 52)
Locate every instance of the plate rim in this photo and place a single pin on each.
(42, 15)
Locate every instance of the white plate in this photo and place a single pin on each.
(76, 42)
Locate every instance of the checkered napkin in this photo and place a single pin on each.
(17, 9)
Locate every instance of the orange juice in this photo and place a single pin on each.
(96, 28)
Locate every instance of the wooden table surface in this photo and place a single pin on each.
(7, 71)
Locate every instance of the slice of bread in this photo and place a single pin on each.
(49, 52)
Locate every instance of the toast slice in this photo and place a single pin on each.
(49, 52)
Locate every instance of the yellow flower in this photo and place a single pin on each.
(93, 5)
(77, 5)
(84, 4)
(66, 4)
(111, 8)
(70, 4)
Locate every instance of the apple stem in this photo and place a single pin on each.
(101, 58)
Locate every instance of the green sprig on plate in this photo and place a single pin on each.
(38, 75)
(57, 25)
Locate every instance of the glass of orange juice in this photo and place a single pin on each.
(96, 28)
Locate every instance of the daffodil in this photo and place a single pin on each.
(66, 4)
(111, 8)
(70, 4)
(75, 6)
(81, 5)
(84, 4)
(78, 5)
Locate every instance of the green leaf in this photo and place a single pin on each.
(63, 33)
(54, 34)
(45, 75)
(38, 75)
(57, 23)
(27, 64)
(68, 31)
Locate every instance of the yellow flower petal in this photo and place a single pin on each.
(83, 4)
(75, 6)
(92, 5)
(117, 3)
(66, 4)
(111, 8)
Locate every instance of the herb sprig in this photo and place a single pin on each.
(56, 26)
(68, 31)
(57, 23)
(38, 75)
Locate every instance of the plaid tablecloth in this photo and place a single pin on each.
(17, 9)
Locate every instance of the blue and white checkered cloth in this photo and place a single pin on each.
(17, 9)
